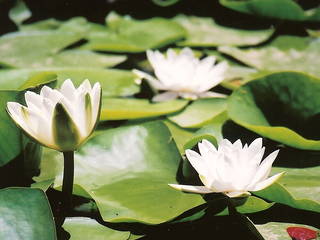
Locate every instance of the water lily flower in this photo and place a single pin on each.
(232, 169)
(59, 119)
(183, 75)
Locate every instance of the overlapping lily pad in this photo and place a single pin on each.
(204, 32)
(131, 108)
(280, 9)
(277, 230)
(126, 171)
(281, 106)
(294, 53)
(200, 112)
(18, 49)
(114, 82)
(81, 228)
(303, 183)
(10, 135)
(25, 214)
(124, 34)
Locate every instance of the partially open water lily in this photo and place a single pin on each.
(232, 169)
(59, 119)
(183, 75)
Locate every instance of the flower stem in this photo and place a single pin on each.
(243, 222)
(67, 185)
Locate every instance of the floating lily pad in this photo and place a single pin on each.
(126, 170)
(81, 228)
(211, 131)
(124, 34)
(280, 9)
(179, 134)
(279, 194)
(25, 214)
(130, 108)
(282, 106)
(10, 135)
(204, 32)
(78, 59)
(113, 82)
(277, 230)
(23, 49)
(302, 183)
(294, 53)
(199, 112)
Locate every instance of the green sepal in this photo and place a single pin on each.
(65, 132)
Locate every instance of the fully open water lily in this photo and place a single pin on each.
(61, 120)
(183, 75)
(232, 169)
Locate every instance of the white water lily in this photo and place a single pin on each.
(59, 119)
(232, 169)
(183, 75)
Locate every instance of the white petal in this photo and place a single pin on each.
(189, 95)
(17, 114)
(68, 90)
(187, 51)
(212, 95)
(197, 162)
(237, 194)
(264, 169)
(96, 102)
(151, 80)
(51, 94)
(266, 183)
(85, 86)
(193, 189)
(166, 96)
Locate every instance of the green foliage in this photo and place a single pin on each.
(281, 106)
(279, 9)
(81, 228)
(25, 214)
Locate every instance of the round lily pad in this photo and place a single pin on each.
(282, 106)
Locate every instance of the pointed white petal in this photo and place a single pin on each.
(51, 94)
(85, 86)
(212, 95)
(264, 169)
(237, 194)
(197, 162)
(166, 96)
(67, 89)
(266, 183)
(96, 102)
(151, 80)
(193, 189)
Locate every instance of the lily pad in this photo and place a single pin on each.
(81, 228)
(282, 106)
(113, 82)
(111, 165)
(124, 34)
(277, 230)
(200, 112)
(76, 58)
(280, 9)
(18, 49)
(204, 32)
(130, 108)
(10, 135)
(302, 183)
(279, 194)
(294, 53)
(25, 214)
